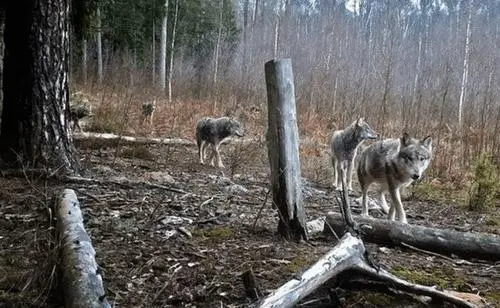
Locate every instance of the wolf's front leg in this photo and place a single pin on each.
(201, 152)
(349, 173)
(383, 202)
(217, 154)
(335, 173)
(364, 202)
(340, 174)
(398, 205)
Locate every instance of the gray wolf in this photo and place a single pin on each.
(212, 131)
(393, 163)
(78, 112)
(148, 110)
(344, 145)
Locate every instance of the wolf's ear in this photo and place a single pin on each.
(360, 121)
(405, 140)
(427, 142)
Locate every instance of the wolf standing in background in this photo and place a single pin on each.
(344, 147)
(212, 131)
(393, 163)
(148, 110)
(78, 112)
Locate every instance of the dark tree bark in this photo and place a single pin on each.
(35, 121)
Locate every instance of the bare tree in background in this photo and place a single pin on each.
(172, 45)
(465, 74)
(99, 46)
(163, 49)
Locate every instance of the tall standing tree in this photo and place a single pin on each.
(35, 121)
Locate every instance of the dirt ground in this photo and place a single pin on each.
(187, 248)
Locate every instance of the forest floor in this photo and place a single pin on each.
(188, 246)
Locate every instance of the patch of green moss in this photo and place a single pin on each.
(378, 299)
(297, 264)
(215, 233)
(140, 152)
(427, 192)
(493, 298)
(444, 278)
(492, 221)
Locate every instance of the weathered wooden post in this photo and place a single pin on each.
(283, 149)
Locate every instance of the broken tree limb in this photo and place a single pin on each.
(344, 255)
(81, 280)
(466, 245)
(347, 254)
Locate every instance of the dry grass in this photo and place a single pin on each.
(118, 110)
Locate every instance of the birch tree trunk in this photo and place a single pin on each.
(217, 46)
(99, 47)
(276, 35)
(153, 54)
(465, 73)
(163, 49)
(84, 60)
(172, 45)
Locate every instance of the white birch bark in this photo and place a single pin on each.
(163, 49)
(99, 47)
(465, 73)
(172, 45)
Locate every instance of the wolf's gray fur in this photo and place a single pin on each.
(393, 163)
(78, 112)
(344, 145)
(212, 131)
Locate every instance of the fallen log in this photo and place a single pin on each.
(466, 245)
(89, 136)
(129, 139)
(81, 281)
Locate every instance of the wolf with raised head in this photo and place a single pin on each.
(344, 145)
(78, 112)
(211, 131)
(393, 163)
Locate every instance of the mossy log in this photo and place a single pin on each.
(466, 245)
(81, 281)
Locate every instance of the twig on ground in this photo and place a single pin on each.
(435, 254)
(261, 208)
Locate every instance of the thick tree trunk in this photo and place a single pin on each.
(35, 121)
(81, 281)
(466, 245)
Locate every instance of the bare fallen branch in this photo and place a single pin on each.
(81, 280)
